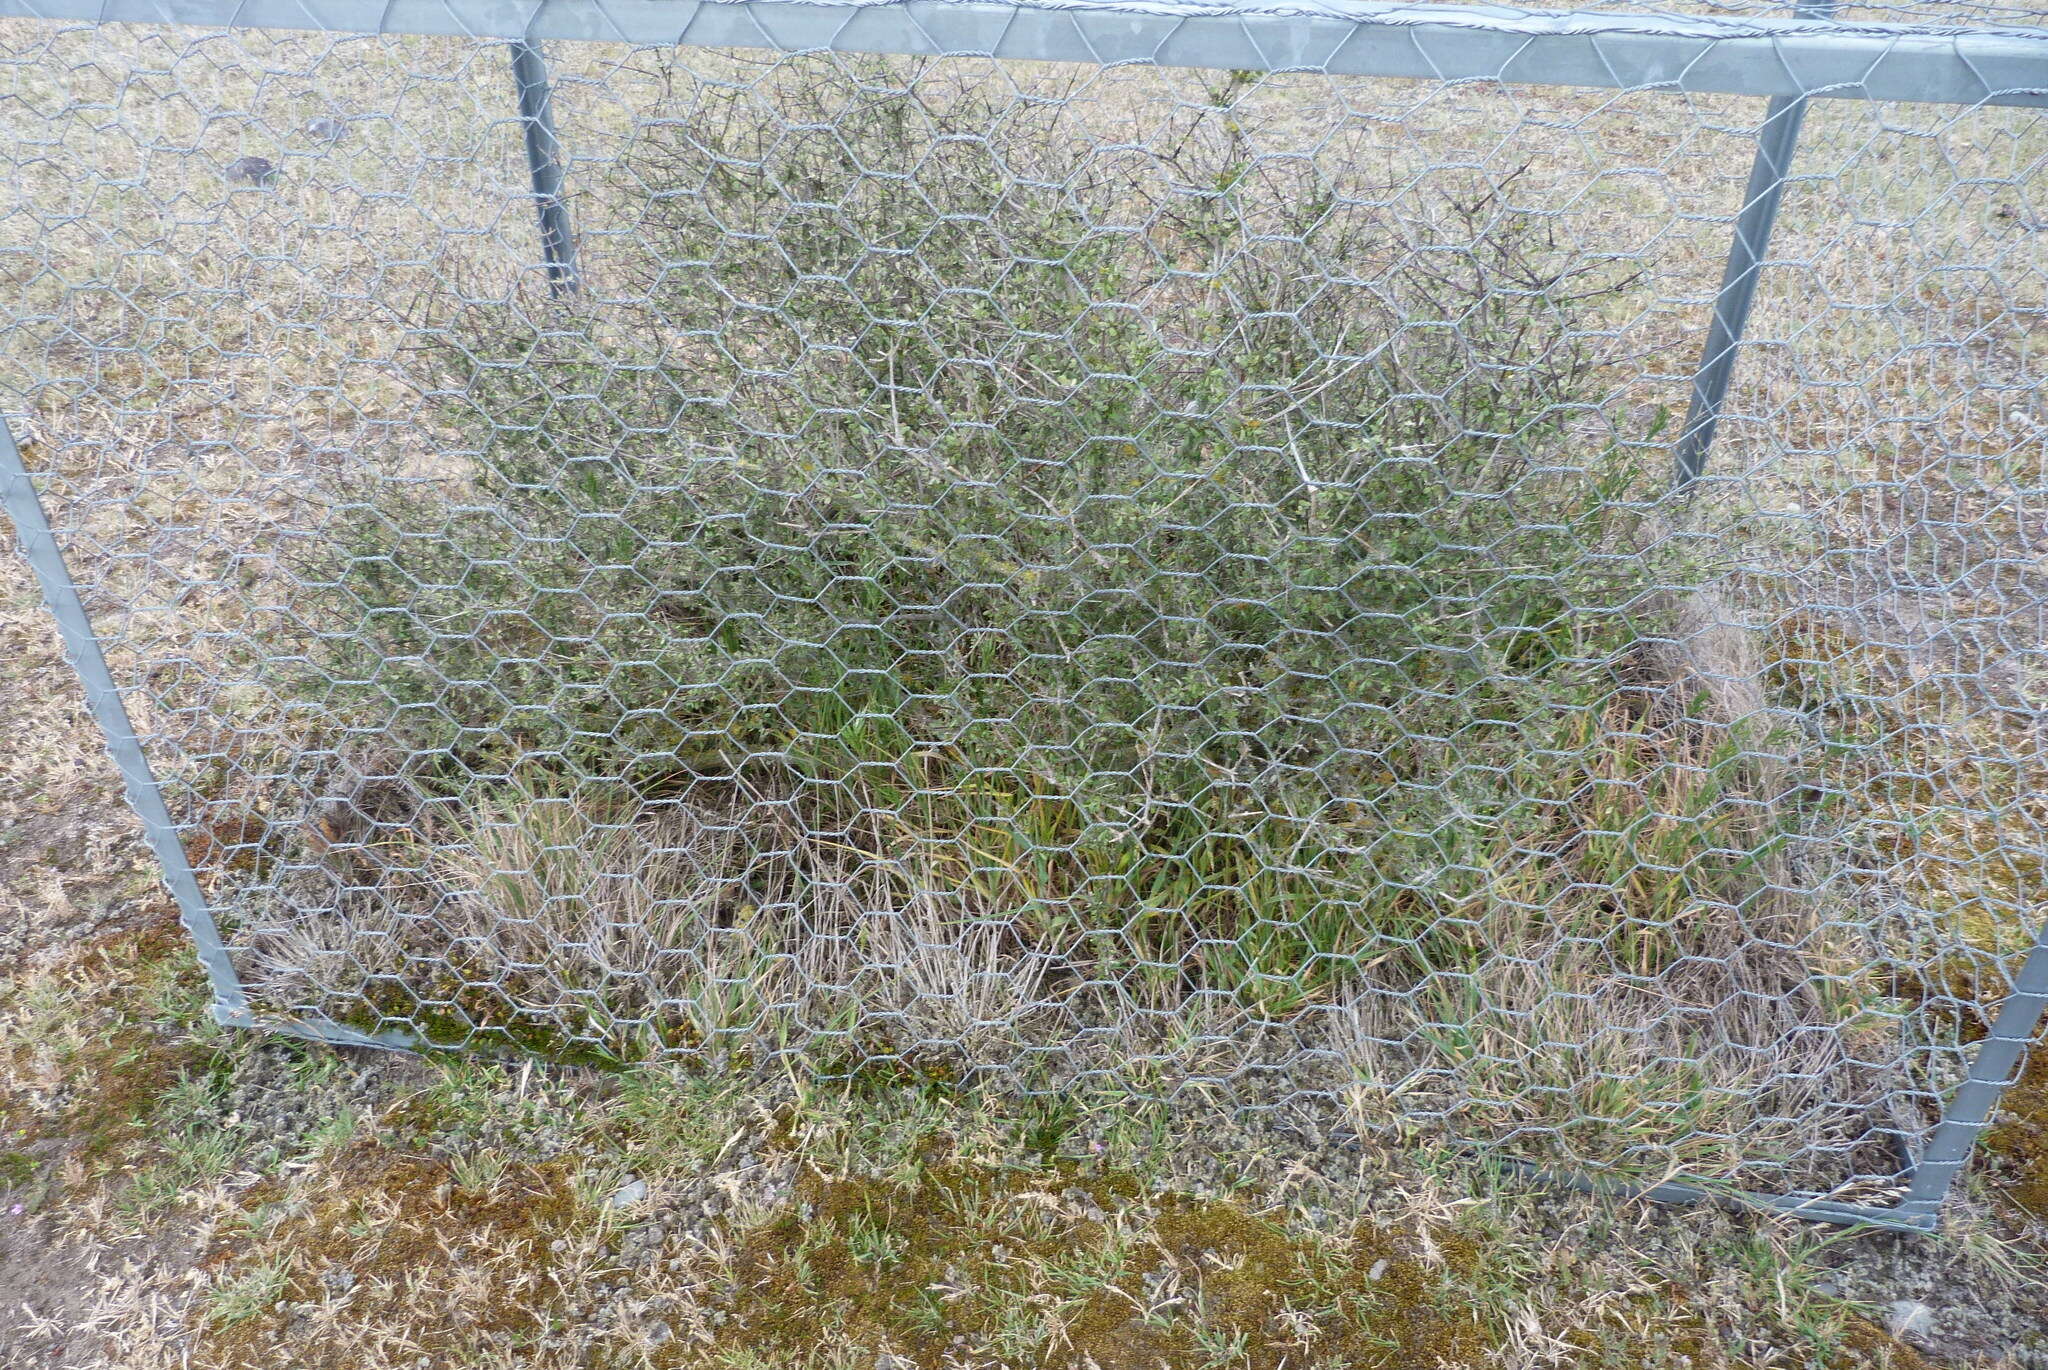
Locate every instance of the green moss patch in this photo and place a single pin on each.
(109, 1045)
(450, 1271)
(1052, 1266)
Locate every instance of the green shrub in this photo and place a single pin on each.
(1206, 562)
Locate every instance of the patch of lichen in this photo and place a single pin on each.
(464, 1272)
(1058, 1265)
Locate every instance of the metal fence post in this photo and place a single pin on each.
(40, 550)
(544, 165)
(2020, 1017)
(1775, 146)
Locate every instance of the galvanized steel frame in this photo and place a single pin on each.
(1749, 56)
(1789, 61)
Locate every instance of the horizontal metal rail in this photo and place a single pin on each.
(1897, 1216)
(1750, 56)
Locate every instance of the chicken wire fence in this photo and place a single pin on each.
(1463, 572)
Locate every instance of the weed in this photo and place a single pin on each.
(246, 1295)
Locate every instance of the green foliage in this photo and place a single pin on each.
(246, 1296)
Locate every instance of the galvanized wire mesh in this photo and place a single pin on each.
(1080, 576)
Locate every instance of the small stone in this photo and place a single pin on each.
(659, 1332)
(1906, 1318)
(251, 171)
(326, 128)
(1379, 1268)
(633, 1191)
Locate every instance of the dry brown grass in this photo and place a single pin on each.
(460, 1214)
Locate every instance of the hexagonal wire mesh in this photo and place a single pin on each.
(1130, 575)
